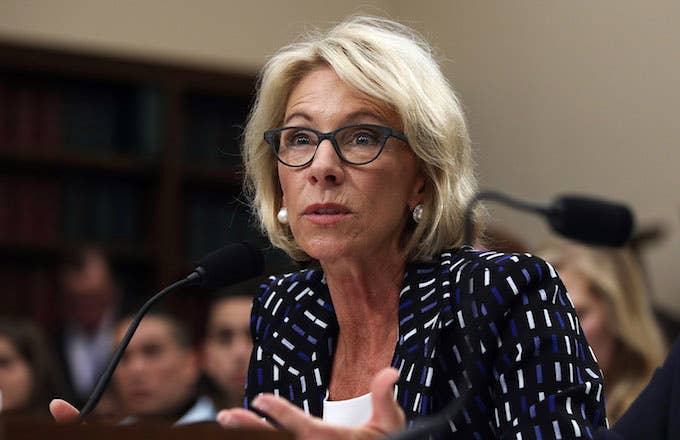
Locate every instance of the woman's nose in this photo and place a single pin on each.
(326, 167)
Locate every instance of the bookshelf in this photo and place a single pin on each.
(139, 157)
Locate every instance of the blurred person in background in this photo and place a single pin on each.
(609, 294)
(29, 374)
(158, 376)
(90, 296)
(498, 238)
(227, 347)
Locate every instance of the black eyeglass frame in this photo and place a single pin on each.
(387, 132)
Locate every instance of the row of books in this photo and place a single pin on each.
(91, 118)
(30, 293)
(29, 209)
(44, 211)
(101, 119)
(213, 130)
(29, 119)
(103, 210)
(213, 219)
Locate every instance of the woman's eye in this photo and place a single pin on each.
(365, 138)
(301, 139)
(297, 139)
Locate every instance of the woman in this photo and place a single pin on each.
(365, 168)
(609, 294)
(28, 379)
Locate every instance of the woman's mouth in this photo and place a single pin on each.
(326, 213)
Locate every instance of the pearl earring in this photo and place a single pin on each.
(282, 215)
(418, 212)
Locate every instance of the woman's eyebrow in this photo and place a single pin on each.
(298, 114)
(351, 118)
(362, 115)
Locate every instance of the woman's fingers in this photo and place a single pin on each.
(289, 416)
(387, 414)
(241, 418)
(62, 411)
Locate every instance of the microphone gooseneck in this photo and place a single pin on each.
(230, 264)
(585, 219)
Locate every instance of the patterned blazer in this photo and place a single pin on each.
(497, 330)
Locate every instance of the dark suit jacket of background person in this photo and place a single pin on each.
(495, 328)
(655, 414)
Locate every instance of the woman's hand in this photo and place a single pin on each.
(62, 411)
(387, 417)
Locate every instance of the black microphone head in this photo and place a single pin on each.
(229, 265)
(591, 221)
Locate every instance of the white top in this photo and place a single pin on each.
(202, 411)
(87, 353)
(350, 412)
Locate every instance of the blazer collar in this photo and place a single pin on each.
(306, 338)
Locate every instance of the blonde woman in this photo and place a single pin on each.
(357, 158)
(610, 297)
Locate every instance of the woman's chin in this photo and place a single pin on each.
(328, 249)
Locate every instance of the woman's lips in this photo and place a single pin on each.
(326, 213)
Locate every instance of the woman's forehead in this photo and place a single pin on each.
(322, 94)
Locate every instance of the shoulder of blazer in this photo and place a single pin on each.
(281, 294)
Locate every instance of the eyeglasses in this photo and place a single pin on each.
(355, 144)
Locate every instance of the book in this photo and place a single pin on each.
(214, 129)
(49, 121)
(148, 124)
(88, 119)
(5, 111)
(214, 219)
(23, 122)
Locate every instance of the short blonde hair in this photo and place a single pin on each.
(615, 276)
(391, 63)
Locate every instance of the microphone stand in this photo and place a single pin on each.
(498, 197)
(435, 424)
(192, 279)
(244, 259)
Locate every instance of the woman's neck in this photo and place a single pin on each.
(365, 295)
(364, 292)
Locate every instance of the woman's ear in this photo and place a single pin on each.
(418, 194)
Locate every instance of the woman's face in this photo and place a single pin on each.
(15, 377)
(340, 211)
(593, 314)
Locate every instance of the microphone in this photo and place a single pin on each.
(231, 264)
(591, 221)
(588, 220)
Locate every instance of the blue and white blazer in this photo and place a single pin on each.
(497, 330)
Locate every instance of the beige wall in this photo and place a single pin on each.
(237, 34)
(571, 96)
(561, 96)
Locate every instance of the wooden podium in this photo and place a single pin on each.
(30, 429)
